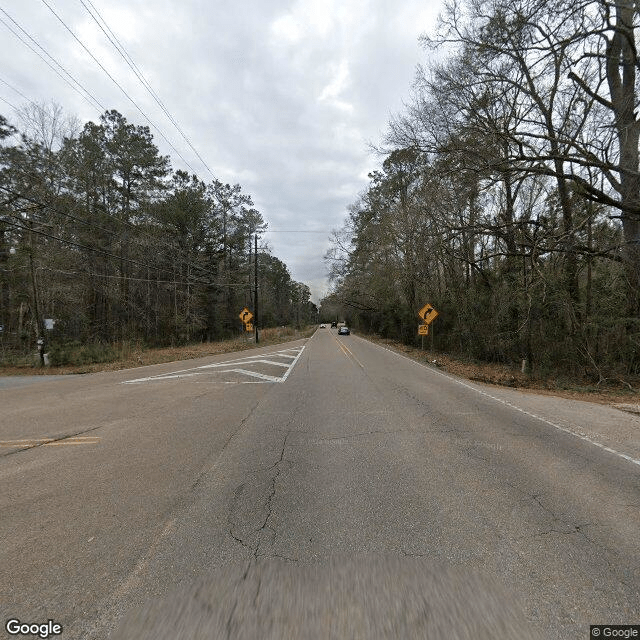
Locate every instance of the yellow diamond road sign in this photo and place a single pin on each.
(428, 314)
(246, 315)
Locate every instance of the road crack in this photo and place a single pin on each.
(253, 539)
(241, 424)
(272, 493)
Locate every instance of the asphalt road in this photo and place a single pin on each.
(325, 488)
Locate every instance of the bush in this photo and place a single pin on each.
(76, 353)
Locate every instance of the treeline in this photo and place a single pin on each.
(509, 197)
(99, 235)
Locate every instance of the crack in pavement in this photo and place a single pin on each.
(274, 481)
(254, 549)
(573, 529)
(263, 526)
(241, 424)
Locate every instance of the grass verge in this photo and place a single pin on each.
(503, 375)
(129, 356)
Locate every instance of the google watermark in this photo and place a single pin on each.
(46, 629)
(614, 631)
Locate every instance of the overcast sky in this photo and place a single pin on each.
(281, 96)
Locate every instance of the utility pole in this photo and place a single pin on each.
(255, 287)
(39, 328)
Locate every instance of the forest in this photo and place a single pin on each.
(102, 243)
(508, 195)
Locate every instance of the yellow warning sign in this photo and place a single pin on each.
(246, 315)
(428, 314)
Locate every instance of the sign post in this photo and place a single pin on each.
(423, 330)
(427, 314)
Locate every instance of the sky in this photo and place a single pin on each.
(283, 97)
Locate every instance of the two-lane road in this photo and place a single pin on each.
(321, 488)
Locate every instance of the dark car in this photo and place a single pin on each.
(343, 331)
(334, 325)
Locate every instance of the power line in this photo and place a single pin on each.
(62, 213)
(86, 95)
(16, 90)
(117, 277)
(113, 39)
(133, 102)
(89, 97)
(87, 248)
(9, 103)
(113, 255)
(88, 223)
(92, 224)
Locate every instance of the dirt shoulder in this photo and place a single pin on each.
(616, 393)
(139, 356)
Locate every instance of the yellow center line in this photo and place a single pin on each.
(51, 439)
(50, 442)
(31, 440)
(347, 352)
(61, 443)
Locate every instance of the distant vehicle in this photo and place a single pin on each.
(334, 325)
(343, 331)
(322, 326)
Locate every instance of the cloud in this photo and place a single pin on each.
(280, 96)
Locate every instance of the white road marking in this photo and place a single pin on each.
(582, 436)
(293, 364)
(278, 364)
(227, 367)
(255, 374)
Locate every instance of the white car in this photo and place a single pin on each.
(323, 326)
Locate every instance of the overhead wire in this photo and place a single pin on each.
(86, 95)
(92, 100)
(50, 207)
(93, 249)
(133, 102)
(9, 103)
(154, 280)
(113, 39)
(16, 90)
(63, 213)
(140, 232)
(39, 204)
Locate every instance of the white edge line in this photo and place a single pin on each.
(624, 456)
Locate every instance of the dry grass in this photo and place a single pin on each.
(496, 374)
(508, 376)
(138, 356)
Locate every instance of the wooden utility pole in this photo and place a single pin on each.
(255, 288)
(38, 319)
